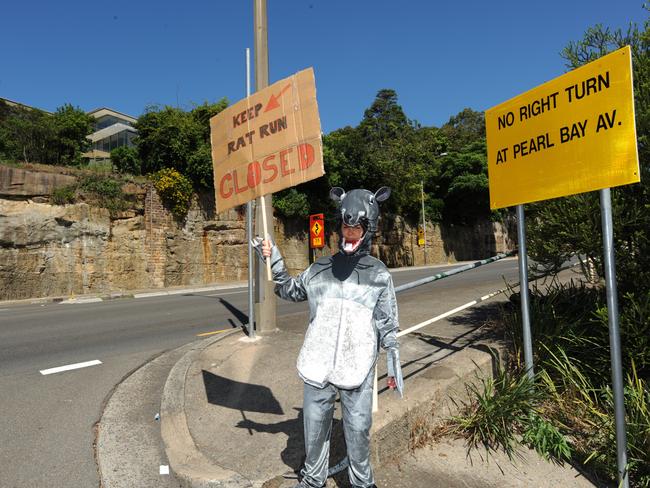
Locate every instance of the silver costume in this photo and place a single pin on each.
(352, 312)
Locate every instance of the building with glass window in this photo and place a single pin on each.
(112, 130)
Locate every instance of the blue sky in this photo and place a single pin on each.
(439, 56)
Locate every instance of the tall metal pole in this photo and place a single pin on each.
(265, 299)
(523, 291)
(424, 226)
(614, 336)
(249, 225)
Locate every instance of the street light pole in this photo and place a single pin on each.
(265, 298)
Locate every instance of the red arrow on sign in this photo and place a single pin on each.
(274, 100)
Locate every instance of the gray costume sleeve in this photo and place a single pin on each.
(286, 286)
(387, 323)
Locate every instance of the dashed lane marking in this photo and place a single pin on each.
(70, 367)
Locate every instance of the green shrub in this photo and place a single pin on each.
(497, 410)
(587, 412)
(125, 160)
(174, 189)
(575, 373)
(637, 404)
(101, 185)
(546, 439)
(557, 310)
(64, 195)
(291, 203)
(104, 191)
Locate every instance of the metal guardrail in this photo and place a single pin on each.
(446, 274)
(430, 279)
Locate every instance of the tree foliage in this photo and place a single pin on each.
(125, 160)
(463, 184)
(446, 167)
(26, 135)
(71, 126)
(32, 135)
(170, 137)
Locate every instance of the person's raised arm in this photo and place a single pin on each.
(286, 286)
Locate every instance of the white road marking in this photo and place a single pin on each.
(76, 301)
(186, 291)
(69, 367)
(164, 469)
(224, 294)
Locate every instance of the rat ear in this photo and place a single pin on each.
(382, 194)
(337, 193)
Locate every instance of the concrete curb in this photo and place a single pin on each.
(128, 448)
(188, 464)
(93, 298)
(427, 401)
(395, 427)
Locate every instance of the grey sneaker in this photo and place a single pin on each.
(303, 484)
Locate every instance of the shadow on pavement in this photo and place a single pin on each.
(245, 397)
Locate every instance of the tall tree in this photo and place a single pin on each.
(72, 126)
(467, 127)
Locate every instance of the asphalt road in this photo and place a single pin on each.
(46, 426)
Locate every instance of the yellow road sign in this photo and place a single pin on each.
(573, 134)
(316, 231)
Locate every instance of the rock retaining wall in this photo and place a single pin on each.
(65, 250)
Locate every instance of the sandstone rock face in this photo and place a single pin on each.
(16, 182)
(50, 250)
(53, 250)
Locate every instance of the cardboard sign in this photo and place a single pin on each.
(267, 142)
(316, 231)
(573, 134)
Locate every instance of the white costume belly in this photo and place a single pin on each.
(340, 346)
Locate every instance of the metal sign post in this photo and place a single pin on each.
(249, 225)
(424, 226)
(614, 336)
(523, 292)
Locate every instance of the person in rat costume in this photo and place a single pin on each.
(352, 312)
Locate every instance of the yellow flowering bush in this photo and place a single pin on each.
(174, 189)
